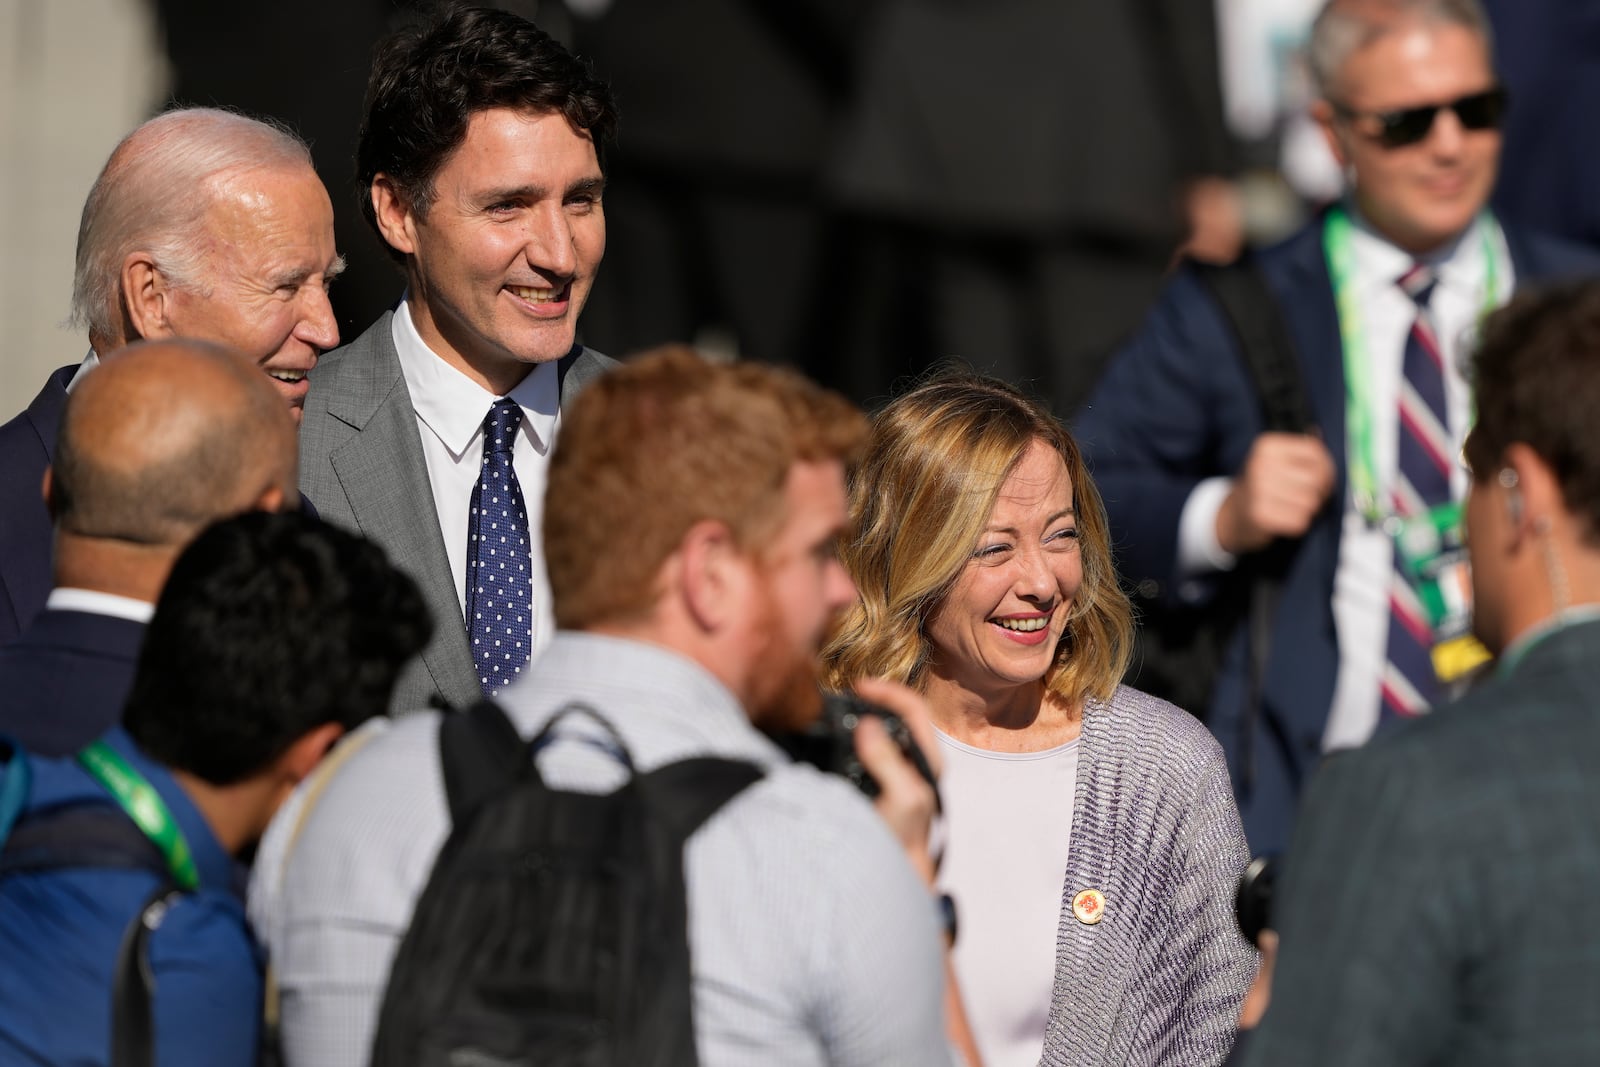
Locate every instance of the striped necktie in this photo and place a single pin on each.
(1422, 481)
(499, 580)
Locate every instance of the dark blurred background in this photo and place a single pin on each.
(859, 188)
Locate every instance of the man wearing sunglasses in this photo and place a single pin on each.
(1379, 298)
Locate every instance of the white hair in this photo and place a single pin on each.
(1343, 28)
(153, 195)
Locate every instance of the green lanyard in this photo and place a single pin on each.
(144, 806)
(1336, 241)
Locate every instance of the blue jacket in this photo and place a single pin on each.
(60, 930)
(1176, 407)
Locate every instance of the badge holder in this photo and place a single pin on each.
(1431, 553)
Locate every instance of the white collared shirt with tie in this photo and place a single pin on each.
(450, 409)
(1366, 552)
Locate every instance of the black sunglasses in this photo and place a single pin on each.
(1407, 126)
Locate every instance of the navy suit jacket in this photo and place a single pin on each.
(64, 681)
(1177, 406)
(26, 445)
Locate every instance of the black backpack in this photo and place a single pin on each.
(553, 929)
(1179, 649)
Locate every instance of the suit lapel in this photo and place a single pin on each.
(384, 477)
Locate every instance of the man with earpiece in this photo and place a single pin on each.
(1436, 905)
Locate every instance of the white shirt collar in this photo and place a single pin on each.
(90, 362)
(453, 406)
(1460, 263)
(97, 603)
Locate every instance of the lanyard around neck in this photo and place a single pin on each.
(136, 796)
(1359, 414)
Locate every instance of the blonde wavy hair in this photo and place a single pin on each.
(919, 501)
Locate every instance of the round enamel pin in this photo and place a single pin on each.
(1089, 906)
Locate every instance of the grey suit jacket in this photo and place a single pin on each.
(1437, 904)
(361, 465)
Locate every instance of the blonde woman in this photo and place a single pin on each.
(1093, 845)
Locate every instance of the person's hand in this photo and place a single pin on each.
(1286, 479)
(1260, 995)
(1214, 209)
(906, 800)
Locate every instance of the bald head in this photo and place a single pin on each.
(166, 438)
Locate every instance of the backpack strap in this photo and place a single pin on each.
(133, 984)
(687, 793)
(481, 754)
(85, 835)
(1269, 358)
(271, 1004)
(1257, 322)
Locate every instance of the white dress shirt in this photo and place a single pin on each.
(450, 411)
(1366, 551)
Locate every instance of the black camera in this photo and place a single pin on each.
(1252, 905)
(829, 744)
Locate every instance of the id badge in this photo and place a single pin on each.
(1430, 552)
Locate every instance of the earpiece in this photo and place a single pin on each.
(1508, 481)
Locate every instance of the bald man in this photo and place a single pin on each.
(204, 224)
(141, 468)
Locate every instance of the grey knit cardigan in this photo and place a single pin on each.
(1159, 980)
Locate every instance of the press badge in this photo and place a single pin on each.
(1430, 552)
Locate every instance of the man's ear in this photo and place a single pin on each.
(306, 751)
(1322, 113)
(47, 490)
(393, 214)
(711, 575)
(147, 297)
(1538, 489)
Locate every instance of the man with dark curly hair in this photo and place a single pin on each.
(274, 635)
(479, 165)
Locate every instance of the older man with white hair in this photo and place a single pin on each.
(207, 225)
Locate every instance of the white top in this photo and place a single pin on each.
(450, 411)
(1366, 552)
(1009, 827)
(813, 942)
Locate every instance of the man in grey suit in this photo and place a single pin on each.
(1438, 900)
(480, 168)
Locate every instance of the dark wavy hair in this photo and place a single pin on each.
(269, 626)
(429, 79)
(1536, 380)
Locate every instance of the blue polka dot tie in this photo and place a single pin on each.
(499, 582)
